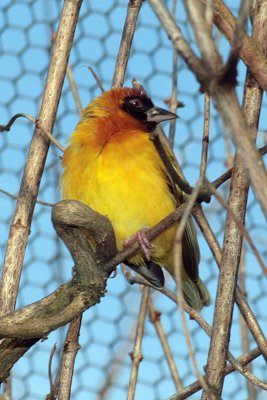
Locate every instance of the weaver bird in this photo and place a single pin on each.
(112, 166)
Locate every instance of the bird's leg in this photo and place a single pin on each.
(142, 240)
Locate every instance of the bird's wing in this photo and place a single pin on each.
(191, 253)
(190, 250)
(151, 271)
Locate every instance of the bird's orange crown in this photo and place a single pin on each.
(112, 113)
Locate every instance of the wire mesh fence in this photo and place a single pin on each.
(103, 364)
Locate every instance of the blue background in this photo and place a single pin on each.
(108, 329)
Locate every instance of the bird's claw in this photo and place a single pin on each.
(143, 242)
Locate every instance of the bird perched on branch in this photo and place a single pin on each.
(112, 166)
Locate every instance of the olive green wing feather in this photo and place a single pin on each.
(191, 253)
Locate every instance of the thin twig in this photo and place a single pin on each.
(97, 79)
(51, 395)
(71, 347)
(230, 70)
(151, 233)
(194, 315)
(173, 99)
(136, 354)
(178, 276)
(116, 367)
(241, 227)
(251, 388)
(74, 90)
(201, 28)
(227, 175)
(195, 387)
(179, 41)
(7, 127)
(12, 196)
(134, 7)
(155, 319)
(179, 236)
(205, 138)
(50, 136)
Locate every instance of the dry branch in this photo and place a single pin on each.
(71, 347)
(90, 239)
(211, 58)
(241, 301)
(233, 237)
(223, 95)
(134, 7)
(11, 350)
(136, 354)
(230, 70)
(252, 56)
(194, 315)
(195, 387)
(20, 226)
(87, 286)
(173, 103)
(154, 316)
(78, 226)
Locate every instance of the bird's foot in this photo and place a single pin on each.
(143, 242)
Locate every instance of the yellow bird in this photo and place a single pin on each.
(112, 166)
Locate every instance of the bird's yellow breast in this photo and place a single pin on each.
(123, 178)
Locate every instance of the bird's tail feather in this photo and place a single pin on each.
(151, 271)
(196, 294)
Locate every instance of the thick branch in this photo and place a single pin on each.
(241, 301)
(11, 350)
(233, 237)
(20, 226)
(79, 227)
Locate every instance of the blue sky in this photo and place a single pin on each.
(106, 337)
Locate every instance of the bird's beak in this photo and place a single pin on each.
(157, 114)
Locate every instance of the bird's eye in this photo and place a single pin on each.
(137, 106)
(137, 103)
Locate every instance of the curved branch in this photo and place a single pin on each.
(91, 241)
(11, 350)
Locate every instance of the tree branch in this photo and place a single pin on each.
(91, 241)
(20, 226)
(136, 354)
(252, 56)
(134, 7)
(226, 102)
(247, 313)
(195, 387)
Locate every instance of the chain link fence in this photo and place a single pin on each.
(103, 364)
